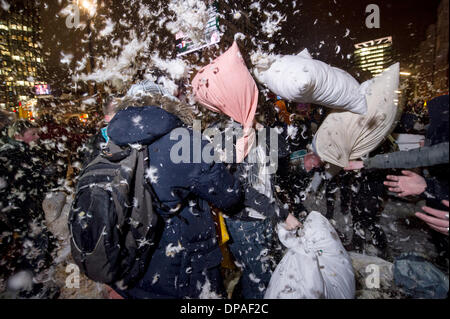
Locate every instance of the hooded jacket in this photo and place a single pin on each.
(188, 256)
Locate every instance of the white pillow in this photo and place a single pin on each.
(300, 78)
(316, 265)
(346, 136)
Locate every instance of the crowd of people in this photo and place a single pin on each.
(197, 196)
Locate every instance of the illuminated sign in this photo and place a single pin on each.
(42, 89)
(375, 55)
(371, 43)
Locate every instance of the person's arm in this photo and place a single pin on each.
(217, 186)
(420, 157)
(264, 205)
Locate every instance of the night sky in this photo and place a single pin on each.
(405, 20)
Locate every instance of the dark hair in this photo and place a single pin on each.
(6, 119)
(19, 127)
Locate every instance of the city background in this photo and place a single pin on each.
(39, 52)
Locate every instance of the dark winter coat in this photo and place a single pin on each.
(438, 132)
(24, 241)
(407, 122)
(187, 258)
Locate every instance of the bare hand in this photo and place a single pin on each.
(408, 184)
(292, 223)
(440, 220)
(354, 165)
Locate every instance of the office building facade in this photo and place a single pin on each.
(374, 56)
(21, 61)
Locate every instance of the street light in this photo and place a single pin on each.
(90, 7)
(86, 4)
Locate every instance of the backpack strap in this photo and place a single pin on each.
(116, 156)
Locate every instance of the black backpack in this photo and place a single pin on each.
(112, 221)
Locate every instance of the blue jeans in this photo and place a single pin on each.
(250, 244)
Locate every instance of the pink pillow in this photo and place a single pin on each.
(226, 86)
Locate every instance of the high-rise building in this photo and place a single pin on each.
(374, 56)
(21, 61)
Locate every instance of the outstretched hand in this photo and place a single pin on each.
(440, 220)
(408, 184)
(292, 223)
(354, 165)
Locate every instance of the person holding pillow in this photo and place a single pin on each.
(226, 86)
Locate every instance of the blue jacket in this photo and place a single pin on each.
(186, 261)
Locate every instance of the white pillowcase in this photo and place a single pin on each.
(346, 136)
(316, 265)
(300, 78)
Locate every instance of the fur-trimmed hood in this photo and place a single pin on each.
(180, 109)
(144, 119)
